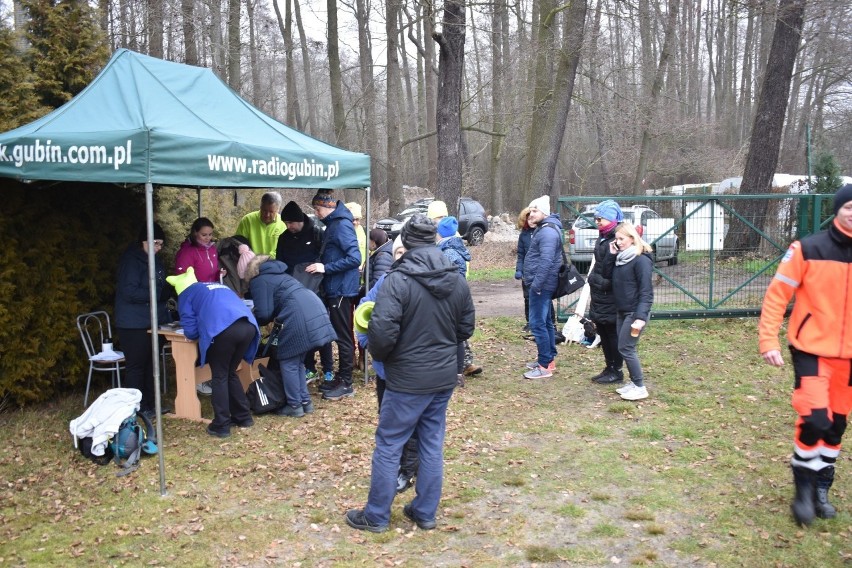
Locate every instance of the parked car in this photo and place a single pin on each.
(583, 235)
(473, 222)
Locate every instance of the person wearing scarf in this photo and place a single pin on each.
(608, 215)
(634, 293)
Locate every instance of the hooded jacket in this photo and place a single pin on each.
(209, 308)
(381, 260)
(544, 257)
(455, 251)
(205, 261)
(278, 296)
(341, 256)
(423, 311)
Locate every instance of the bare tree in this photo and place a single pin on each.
(234, 76)
(306, 72)
(368, 85)
(190, 38)
(155, 28)
(394, 96)
(335, 77)
(450, 41)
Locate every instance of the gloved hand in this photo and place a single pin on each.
(518, 275)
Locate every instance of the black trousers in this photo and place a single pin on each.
(139, 372)
(224, 356)
(340, 314)
(608, 333)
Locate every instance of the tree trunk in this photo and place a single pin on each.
(665, 54)
(306, 71)
(335, 77)
(234, 75)
(286, 26)
(256, 96)
(763, 149)
(155, 28)
(431, 81)
(394, 96)
(217, 46)
(498, 11)
(190, 39)
(368, 88)
(566, 72)
(450, 73)
(597, 103)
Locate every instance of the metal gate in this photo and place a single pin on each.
(715, 254)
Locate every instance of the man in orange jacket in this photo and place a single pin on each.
(818, 270)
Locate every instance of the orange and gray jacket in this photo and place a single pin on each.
(818, 270)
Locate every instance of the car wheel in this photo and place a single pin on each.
(673, 260)
(475, 236)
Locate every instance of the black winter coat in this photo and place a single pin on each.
(304, 246)
(423, 311)
(602, 306)
(381, 260)
(279, 296)
(634, 291)
(133, 290)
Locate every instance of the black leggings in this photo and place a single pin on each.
(139, 372)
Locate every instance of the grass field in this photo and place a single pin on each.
(559, 472)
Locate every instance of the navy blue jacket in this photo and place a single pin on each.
(278, 296)
(423, 311)
(633, 289)
(341, 256)
(209, 308)
(544, 257)
(133, 292)
(602, 305)
(524, 240)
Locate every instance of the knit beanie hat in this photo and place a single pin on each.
(246, 255)
(159, 233)
(182, 281)
(437, 209)
(448, 226)
(418, 231)
(324, 198)
(354, 208)
(542, 204)
(609, 210)
(292, 212)
(843, 195)
(397, 245)
(378, 236)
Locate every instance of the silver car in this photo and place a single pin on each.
(583, 235)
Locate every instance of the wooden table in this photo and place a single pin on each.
(187, 375)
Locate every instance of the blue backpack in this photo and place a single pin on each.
(131, 441)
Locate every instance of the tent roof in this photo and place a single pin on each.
(143, 119)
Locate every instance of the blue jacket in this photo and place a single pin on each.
(278, 296)
(632, 287)
(132, 292)
(455, 251)
(544, 257)
(341, 256)
(209, 308)
(363, 340)
(524, 239)
(423, 311)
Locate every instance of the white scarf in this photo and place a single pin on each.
(626, 255)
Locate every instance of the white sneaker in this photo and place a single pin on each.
(204, 388)
(625, 388)
(636, 393)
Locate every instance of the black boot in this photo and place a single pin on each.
(824, 479)
(803, 508)
(602, 374)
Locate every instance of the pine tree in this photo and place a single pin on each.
(827, 173)
(67, 49)
(19, 103)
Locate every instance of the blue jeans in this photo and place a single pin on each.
(295, 386)
(541, 326)
(400, 415)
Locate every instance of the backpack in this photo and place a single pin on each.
(127, 445)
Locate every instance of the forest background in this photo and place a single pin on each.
(502, 101)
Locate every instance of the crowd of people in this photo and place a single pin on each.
(421, 315)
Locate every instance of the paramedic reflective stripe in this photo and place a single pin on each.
(787, 280)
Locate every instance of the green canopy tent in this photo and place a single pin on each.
(148, 121)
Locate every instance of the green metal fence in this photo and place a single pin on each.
(726, 252)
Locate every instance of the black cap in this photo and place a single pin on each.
(292, 212)
(843, 195)
(159, 233)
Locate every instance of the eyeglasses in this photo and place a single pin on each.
(599, 219)
(158, 243)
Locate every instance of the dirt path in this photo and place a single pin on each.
(497, 298)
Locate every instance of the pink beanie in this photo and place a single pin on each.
(246, 255)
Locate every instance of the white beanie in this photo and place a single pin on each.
(542, 204)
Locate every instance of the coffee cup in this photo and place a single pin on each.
(106, 348)
(634, 331)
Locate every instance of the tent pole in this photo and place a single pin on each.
(155, 351)
(198, 201)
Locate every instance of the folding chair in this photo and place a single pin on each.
(95, 330)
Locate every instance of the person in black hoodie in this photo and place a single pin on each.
(608, 215)
(422, 311)
(301, 243)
